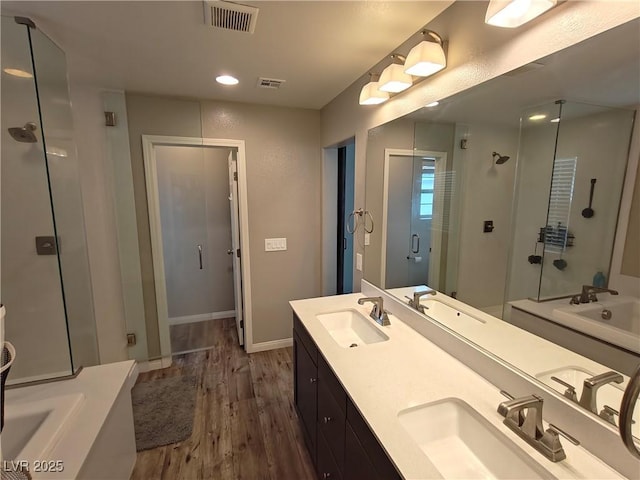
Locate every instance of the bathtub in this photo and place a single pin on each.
(621, 329)
(80, 428)
(32, 429)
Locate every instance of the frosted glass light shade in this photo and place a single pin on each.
(513, 13)
(425, 59)
(370, 95)
(393, 79)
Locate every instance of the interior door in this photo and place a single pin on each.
(235, 243)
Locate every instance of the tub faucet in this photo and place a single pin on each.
(415, 302)
(588, 294)
(528, 426)
(377, 313)
(591, 386)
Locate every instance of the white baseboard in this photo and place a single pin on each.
(272, 345)
(158, 364)
(202, 317)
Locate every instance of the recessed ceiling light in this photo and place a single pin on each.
(16, 72)
(538, 116)
(432, 104)
(555, 120)
(227, 80)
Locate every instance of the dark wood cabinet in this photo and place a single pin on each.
(341, 444)
(306, 392)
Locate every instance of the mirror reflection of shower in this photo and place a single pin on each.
(500, 158)
(24, 134)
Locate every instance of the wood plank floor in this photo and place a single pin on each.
(187, 337)
(245, 424)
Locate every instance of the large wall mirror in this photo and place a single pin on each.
(510, 191)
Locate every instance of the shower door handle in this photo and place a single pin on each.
(200, 255)
(415, 243)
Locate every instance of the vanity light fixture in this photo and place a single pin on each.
(393, 78)
(370, 94)
(537, 116)
(227, 80)
(427, 57)
(513, 13)
(16, 72)
(555, 120)
(432, 104)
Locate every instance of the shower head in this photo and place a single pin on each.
(24, 134)
(500, 158)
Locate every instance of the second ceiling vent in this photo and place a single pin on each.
(230, 16)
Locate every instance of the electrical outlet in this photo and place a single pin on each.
(275, 244)
(359, 262)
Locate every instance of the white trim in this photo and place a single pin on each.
(399, 152)
(149, 142)
(201, 317)
(193, 350)
(272, 345)
(158, 364)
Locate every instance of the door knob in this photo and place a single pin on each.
(230, 252)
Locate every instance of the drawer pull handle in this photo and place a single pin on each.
(326, 475)
(327, 419)
(313, 380)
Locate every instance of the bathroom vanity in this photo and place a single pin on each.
(386, 402)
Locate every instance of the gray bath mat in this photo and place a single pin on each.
(163, 410)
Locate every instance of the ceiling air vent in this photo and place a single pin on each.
(272, 83)
(230, 16)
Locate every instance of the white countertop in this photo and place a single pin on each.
(523, 350)
(100, 386)
(408, 370)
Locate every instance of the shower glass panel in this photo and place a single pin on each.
(561, 237)
(44, 281)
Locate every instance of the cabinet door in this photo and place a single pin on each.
(327, 467)
(305, 393)
(331, 423)
(356, 463)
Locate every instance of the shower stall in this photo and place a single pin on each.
(572, 161)
(44, 271)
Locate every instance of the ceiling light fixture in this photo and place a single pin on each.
(432, 104)
(16, 72)
(513, 13)
(538, 116)
(227, 80)
(370, 94)
(427, 57)
(393, 79)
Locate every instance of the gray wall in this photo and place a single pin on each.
(283, 174)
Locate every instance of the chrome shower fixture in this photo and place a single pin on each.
(24, 134)
(500, 158)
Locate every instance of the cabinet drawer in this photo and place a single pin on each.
(378, 457)
(327, 378)
(331, 420)
(327, 467)
(305, 338)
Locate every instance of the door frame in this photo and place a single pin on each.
(436, 240)
(149, 142)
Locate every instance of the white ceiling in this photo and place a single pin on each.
(318, 47)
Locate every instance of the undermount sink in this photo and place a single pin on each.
(447, 314)
(350, 328)
(461, 443)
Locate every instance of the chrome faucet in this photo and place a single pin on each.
(588, 294)
(529, 427)
(377, 313)
(591, 386)
(415, 302)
